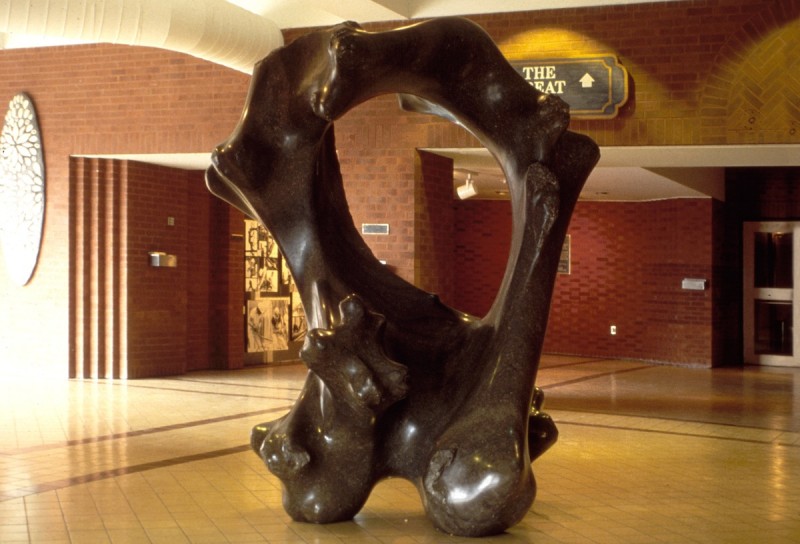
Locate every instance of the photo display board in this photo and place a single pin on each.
(275, 323)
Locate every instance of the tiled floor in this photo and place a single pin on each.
(646, 454)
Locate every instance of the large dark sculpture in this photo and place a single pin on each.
(399, 384)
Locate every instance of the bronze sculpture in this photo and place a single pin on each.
(401, 385)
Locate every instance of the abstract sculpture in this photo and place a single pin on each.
(400, 385)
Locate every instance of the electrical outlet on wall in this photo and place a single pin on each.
(613, 330)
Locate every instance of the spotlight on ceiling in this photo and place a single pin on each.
(468, 189)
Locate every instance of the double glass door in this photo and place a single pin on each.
(771, 304)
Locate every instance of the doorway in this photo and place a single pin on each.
(771, 305)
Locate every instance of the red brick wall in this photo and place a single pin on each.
(628, 260)
(198, 261)
(703, 71)
(483, 241)
(435, 226)
(98, 99)
(182, 318)
(97, 269)
(376, 144)
(158, 298)
(129, 319)
(227, 295)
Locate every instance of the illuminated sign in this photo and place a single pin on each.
(594, 87)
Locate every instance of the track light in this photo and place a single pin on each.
(467, 190)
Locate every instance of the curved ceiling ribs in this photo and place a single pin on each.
(213, 30)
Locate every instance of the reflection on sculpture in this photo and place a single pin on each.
(399, 384)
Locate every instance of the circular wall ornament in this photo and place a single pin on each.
(22, 195)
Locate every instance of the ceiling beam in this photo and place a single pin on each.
(401, 7)
(367, 10)
(709, 181)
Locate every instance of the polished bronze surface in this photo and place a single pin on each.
(401, 385)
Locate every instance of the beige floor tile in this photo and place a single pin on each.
(646, 454)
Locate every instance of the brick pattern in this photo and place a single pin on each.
(127, 318)
(97, 239)
(157, 297)
(199, 261)
(625, 271)
(694, 70)
(482, 245)
(700, 69)
(376, 152)
(726, 284)
(97, 99)
(435, 221)
(754, 95)
(227, 327)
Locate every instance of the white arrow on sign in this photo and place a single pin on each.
(586, 80)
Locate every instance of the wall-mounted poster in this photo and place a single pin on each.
(299, 325)
(564, 262)
(286, 275)
(256, 327)
(275, 321)
(268, 324)
(278, 325)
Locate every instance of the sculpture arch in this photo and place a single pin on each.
(401, 385)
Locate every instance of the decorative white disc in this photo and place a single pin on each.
(22, 195)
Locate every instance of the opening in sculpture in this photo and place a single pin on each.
(399, 384)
